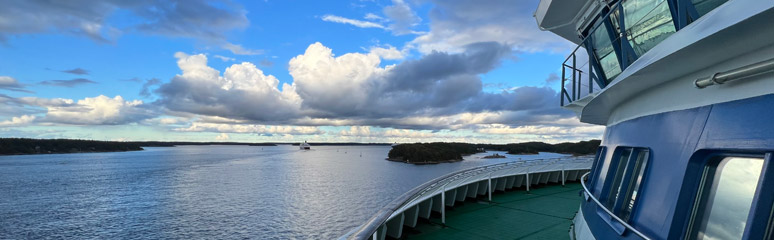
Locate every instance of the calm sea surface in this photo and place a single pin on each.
(213, 192)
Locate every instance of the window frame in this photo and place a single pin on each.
(627, 181)
(599, 161)
(760, 219)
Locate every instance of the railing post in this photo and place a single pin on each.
(561, 95)
(563, 175)
(490, 187)
(591, 87)
(443, 205)
(573, 77)
(527, 179)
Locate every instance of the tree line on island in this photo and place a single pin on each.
(420, 153)
(413, 153)
(16, 146)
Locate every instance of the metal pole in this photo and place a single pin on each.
(591, 87)
(573, 77)
(562, 175)
(527, 179)
(738, 73)
(443, 205)
(561, 96)
(490, 187)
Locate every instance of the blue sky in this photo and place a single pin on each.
(365, 71)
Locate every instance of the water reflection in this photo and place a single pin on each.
(207, 191)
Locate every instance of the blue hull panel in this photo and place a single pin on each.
(678, 141)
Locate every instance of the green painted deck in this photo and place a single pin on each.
(545, 212)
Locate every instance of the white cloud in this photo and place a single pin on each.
(239, 50)
(96, 111)
(225, 59)
(242, 92)
(9, 83)
(18, 121)
(457, 23)
(222, 137)
(371, 16)
(354, 22)
(250, 128)
(389, 53)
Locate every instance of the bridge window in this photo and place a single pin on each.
(647, 22)
(604, 52)
(725, 197)
(628, 174)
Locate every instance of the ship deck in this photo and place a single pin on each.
(545, 212)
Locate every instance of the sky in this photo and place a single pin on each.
(282, 71)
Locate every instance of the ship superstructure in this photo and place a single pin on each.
(685, 90)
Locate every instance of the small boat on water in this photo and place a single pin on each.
(304, 146)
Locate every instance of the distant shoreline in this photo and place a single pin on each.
(30, 146)
(440, 152)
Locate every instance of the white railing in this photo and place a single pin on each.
(437, 194)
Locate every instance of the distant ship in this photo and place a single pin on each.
(304, 146)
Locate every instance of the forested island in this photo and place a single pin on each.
(429, 153)
(17, 146)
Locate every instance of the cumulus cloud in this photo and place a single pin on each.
(68, 83)
(353, 85)
(222, 137)
(435, 91)
(242, 92)
(100, 110)
(353, 22)
(389, 53)
(145, 91)
(9, 83)
(457, 23)
(18, 121)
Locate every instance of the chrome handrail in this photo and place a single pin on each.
(622, 222)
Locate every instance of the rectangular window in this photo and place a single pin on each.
(725, 198)
(599, 160)
(647, 22)
(627, 178)
(604, 52)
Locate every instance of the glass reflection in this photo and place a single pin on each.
(639, 172)
(615, 188)
(603, 50)
(648, 22)
(728, 198)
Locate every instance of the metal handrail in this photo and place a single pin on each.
(372, 225)
(734, 74)
(622, 222)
